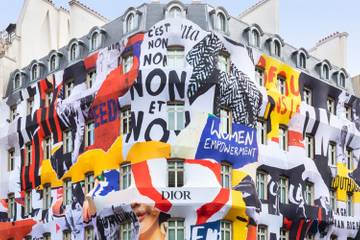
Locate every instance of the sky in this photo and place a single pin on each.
(302, 22)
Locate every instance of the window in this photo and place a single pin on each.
(262, 232)
(89, 134)
(281, 84)
(341, 79)
(47, 145)
(175, 12)
(176, 172)
(127, 63)
(90, 79)
(225, 175)
(176, 229)
(309, 146)
(225, 120)
(48, 98)
(28, 200)
(348, 112)
(17, 81)
(283, 138)
(73, 52)
(261, 185)
(125, 231)
(331, 105)
(89, 182)
(175, 57)
(67, 141)
(11, 205)
(68, 88)
(28, 154)
(284, 234)
(332, 153)
(221, 22)
(255, 38)
(89, 233)
(47, 236)
(226, 230)
(28, 237)
(259, 75)
(11, 159)
(125, 116)
(277, 48)
(261, 131)
(349, 158)
(12, 112)
(309, 236)
(29, 106)
(223, 63)
(34, 72)
(333, 200)
(125, 175)
(95, 41)
(67, 235)
(46, 196)
(302, 60)
(333, 237)
(325, 72)
(53, 63)
(309, 193)
(283, 188)
(307, 95)
(67, 195)
(176, 115)
(130, 23)
(349, 204)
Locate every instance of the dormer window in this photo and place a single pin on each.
(95, 41)
(52, 63)
(277, 48)
(302, 60)
(255, 38)
(17, 81)
(130, 23)
(325, 71)
(341, 79)
(175, 12)
(35, 72)
(221, 22)
(74, 52)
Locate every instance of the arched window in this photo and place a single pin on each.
(221, 22)
(53, 63)
(17, 81)
(277, 48)
(325, 72)
(95, 41)
(130, 22)
(73, 52)
(34, 72)
(255, 38)
(341, 79)
(302, 60)
(175, 12)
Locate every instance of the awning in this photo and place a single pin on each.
(16, 230)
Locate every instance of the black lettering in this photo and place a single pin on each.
(137, 86)
(136, 124)
(156, 72)
(174, 81)
(152, 107)
(162, 124)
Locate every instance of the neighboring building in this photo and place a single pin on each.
(41, 22)
(179, 121)
(356, 84)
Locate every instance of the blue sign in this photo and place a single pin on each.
(238, 148)
(207, 231)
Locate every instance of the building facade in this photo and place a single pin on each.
(179, 121)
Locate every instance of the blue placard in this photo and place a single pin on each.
(238, 148)
(207, 231)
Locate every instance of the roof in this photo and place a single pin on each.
(87, 8)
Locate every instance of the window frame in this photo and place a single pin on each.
(47, 144)
(309, 191)
(225, 228)
(17, 82)
(307, 96)
(276, 44)
(89, 182)
(89, 233)
(177, 108)
(302, 60)
(125, 227)
(221, 22)
(223, 63)
(283, 138)
(53, 62)
(310, 146)
(281, 84)
(284, 234)
(348, 112)
(175, 56)
(284, 199)
(95, 41)
(226, 175)
(261, 235)
(130, 22)
(67, 141)
(90, 78)
(11, 159)
(28, 203)
(28, 154)
(263, 181)
(349, 204)
(254, 38)
(74, 52)
(179, 13)
(125, 175)
(29, 106)
(89, 139)
(11, 206)
(68, 87)
(176, 166)
(48, 98)
(67, 234)
(349, 154)
(333, 202)
(260, 76)
(46, 196)
(67, 191)
(261, 130)
(176, 228)
(332, 152)
(325, 71)
(35, 72)
(125, 118)
(341, 79)
(47, 236)
(13, 112)
(226, 119)
(331, 105)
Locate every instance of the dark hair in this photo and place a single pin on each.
(163, 217)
